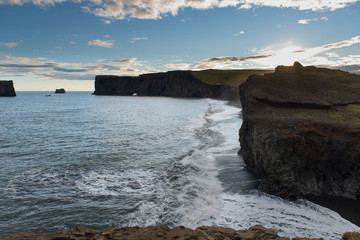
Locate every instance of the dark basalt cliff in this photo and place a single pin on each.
(7, 89)
(170, 84)
(301, 131)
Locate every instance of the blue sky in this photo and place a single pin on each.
(48, 44)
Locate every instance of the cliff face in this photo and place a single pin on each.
(170, 84)
(7, 89)
(301, 131)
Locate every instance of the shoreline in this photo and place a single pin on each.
(348, 209)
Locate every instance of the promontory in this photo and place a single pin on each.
(218, 84)
(301, 131)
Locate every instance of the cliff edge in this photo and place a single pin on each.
(218, 84)
(301, 131)
(7, 89)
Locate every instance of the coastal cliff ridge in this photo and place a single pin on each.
(301, 131)
(217, 84)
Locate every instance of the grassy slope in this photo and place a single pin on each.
(228, 77)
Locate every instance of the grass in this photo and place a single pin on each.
(302, 115)
(351, 236)
(228, 77)
(355, 108)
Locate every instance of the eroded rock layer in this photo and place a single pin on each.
(301, 131)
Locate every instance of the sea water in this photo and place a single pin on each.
(110, 161)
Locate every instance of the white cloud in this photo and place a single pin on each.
(307, 21)
(72, 43)
(286, 54)
(178, 66)
(139, 38)
(101, 43)
(9, 44)
(155, 9)
(133, 40)
(239, 33)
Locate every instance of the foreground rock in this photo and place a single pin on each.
(7, 89)
(156, 233)
(301, 131)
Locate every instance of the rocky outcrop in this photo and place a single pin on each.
(170, 84)
(301, 131)
(7, 89)
(161, 232)
(60, 90)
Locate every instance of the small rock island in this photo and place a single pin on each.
(301, 131)
(7, 88)
(60, 90)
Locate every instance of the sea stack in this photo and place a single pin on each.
(301, 131)
(7, 88)
(60, 90)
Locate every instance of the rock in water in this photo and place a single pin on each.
(7, 89)
(60, 90)
(301, 131)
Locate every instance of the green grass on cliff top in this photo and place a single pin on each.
(228, 77)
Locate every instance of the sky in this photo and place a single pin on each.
(49, 44)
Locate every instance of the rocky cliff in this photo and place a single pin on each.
(301, 131)
(7, 89)
(223, 84)
(161, 232)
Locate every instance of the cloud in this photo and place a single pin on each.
(341, 44)
(286, 54)
(239, 33)
(227, 62)
(307, 21)
(47, 69)
(133, 40)
(101, 43)
(155, 9)
(129, 61)
(9, 44)
(178, 66)
(139, 38)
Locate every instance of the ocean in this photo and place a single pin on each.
(111, 161)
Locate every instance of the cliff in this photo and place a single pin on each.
(161, 232)
(301, 131)
(223, 84)
(7, 89)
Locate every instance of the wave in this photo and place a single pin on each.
(207, 185)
